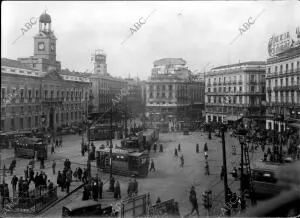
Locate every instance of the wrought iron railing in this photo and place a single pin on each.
(31, 203)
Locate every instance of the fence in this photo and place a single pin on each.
(34, 202)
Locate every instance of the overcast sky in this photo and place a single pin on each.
(198, 31)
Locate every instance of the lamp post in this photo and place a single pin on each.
(87, 124)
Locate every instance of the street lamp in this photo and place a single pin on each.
(88, 125)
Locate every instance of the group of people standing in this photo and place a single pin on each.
(64, 178)
(93, 189)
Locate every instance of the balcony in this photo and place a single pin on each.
(52, 101)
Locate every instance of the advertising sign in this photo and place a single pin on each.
(280, 43)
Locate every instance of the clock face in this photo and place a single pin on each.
(41, 46)
(52, 47)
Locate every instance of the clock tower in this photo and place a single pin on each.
(45, 41)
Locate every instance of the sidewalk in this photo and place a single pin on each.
(217, 185)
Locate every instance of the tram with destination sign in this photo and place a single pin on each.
(124, 162)
(29, 147)
(102, 132)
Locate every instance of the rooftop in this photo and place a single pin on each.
(15, 64)
(169, 61)
(240, 64)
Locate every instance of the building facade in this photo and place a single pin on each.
(39, 95)
(169, 92)
(235, 91)
(36, 93)
(283, 88)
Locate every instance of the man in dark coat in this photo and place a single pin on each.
(193, 200)
(152, 167)
(79, 173)
(95, 190)
(31, 175)
(59, 179)
(117, 193)
(130, 188)
(14, 182)
(112, 184)
(135, 187)
(85, 194)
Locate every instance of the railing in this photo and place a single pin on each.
(36, 201)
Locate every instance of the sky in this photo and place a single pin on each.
(204, 33)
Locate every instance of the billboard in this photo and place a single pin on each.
(279, 43)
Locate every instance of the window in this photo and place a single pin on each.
(29, 94)
(36, 121)
(281, 68)
(292, 66)
(151, 95)
(234, 89)
(2, 92)
(12, 124)
(241, 99)
(21, 123)
(286, 67)
(281, 82)
(12, 70)
(252, 88)
(269, 70)
(224, 89)
(240, 88)
(46, 94)
(276, 69)
(2, 125)
(37, 94)
(29, 122)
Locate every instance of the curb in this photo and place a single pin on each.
(59, 200)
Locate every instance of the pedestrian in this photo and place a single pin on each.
(205, 149)
(205, 155)
(36, 180)
(85, 194)
(60, 141)
(52, 149)
(117, 193)
(75, 174)
(53, 167)
(193, 200)
(130, 188)
(158, 200)
(11, 169)
(161, 148)
(112, 184)
(95, 190)
(235, 173)
(14, 182)
(135, 187)
(181, 160)
(206, 169)
(26, 172)
(67, 185)
(59, 179)
(197, 148)
(31, 175)
(155, 147)
(79, 174)
(175, 153)
(152, 166)
(100, 189)
(179, 148)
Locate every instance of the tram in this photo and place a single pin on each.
(28, 147)
(124, 162)
(102, 132)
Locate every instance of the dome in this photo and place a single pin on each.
(45, 18)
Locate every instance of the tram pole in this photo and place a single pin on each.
(111, 144)
(224, 165)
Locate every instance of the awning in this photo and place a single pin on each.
(232, 118)
(296, 125)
